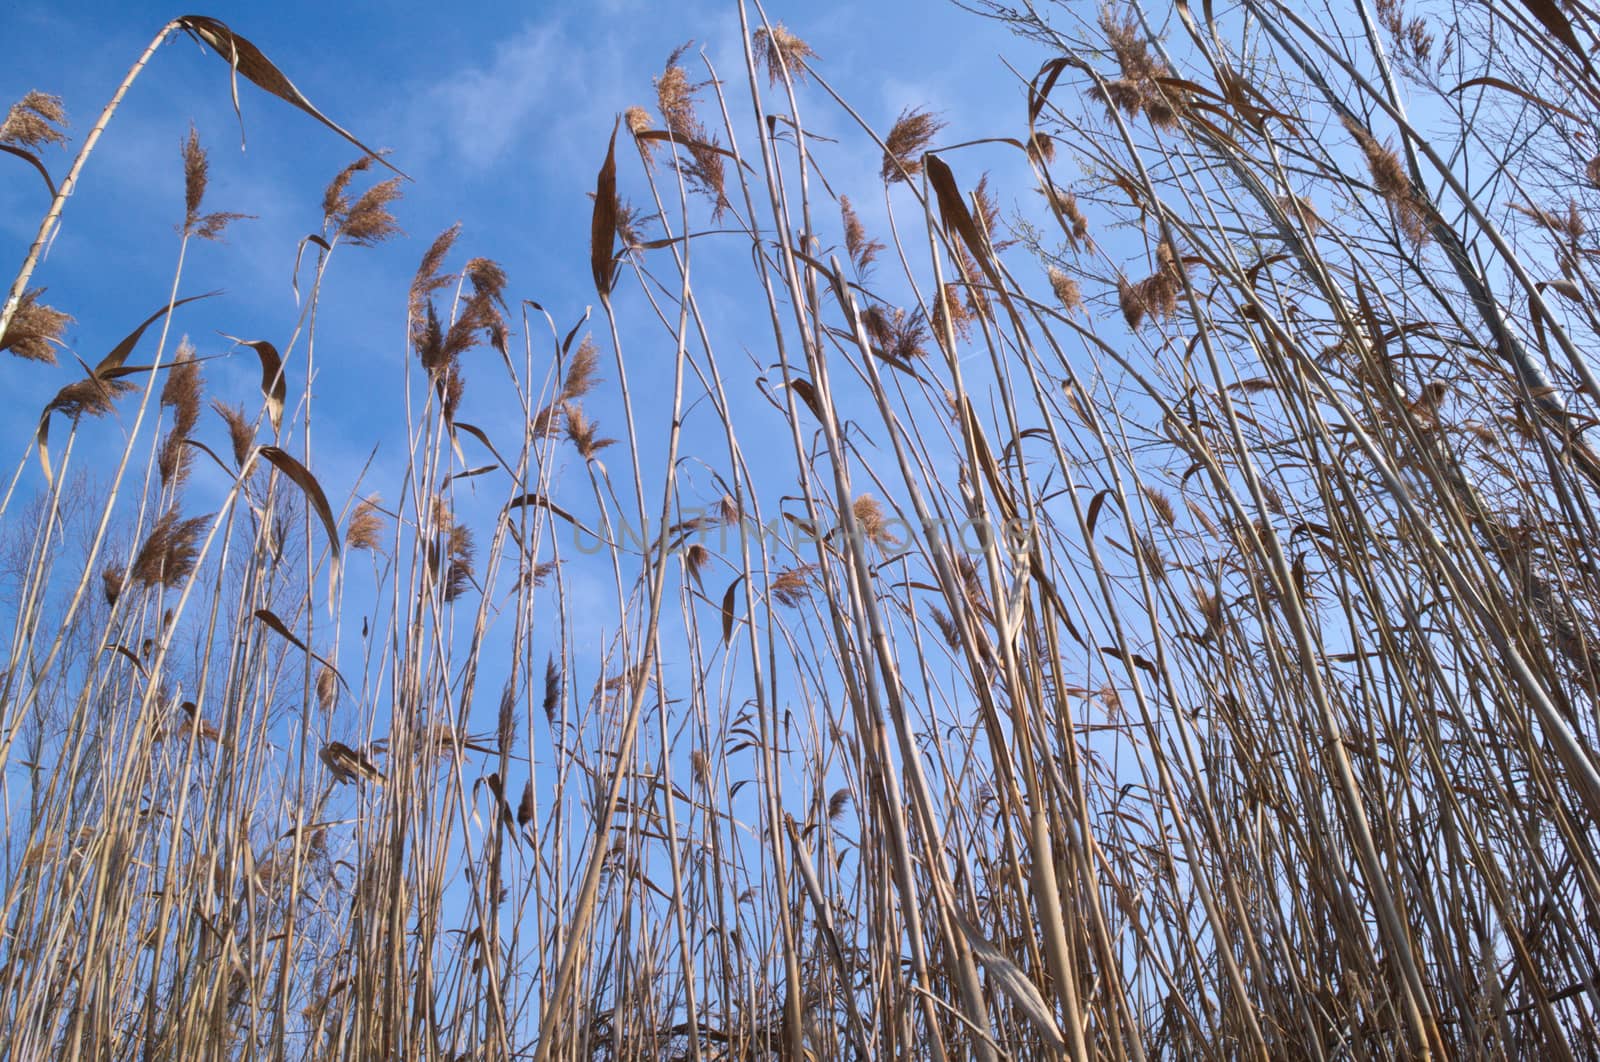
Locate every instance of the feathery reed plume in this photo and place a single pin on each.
(793, 585)
(1410, 36)
(181, 393)
(1298, 206)
(454, 549)
(1073, 224)
(870, 518)
(366, 222)
(1041, 148)
(988, 214)
(1139, 89)
(582, 431)
(525, 806)
(906, 143)
(111, 578)
(428, 280)
(33, 121)
(837, 803)
(675, 98)
(1157, 294)
(196, 171)
(960, 317)
(1569, 223)
(779, 51)
(34, 329)
(92, 396)
(694, 561)
(863, 250)
(170, 550)
(327, 688)
(1160, 503)
(182, 388)
(584, 372)
(1391, 182)
(900, 335)
(637, 119)
(1066, 289)
(241, 433)
(552, 689)
(366, 524)
(1131, 302)
(947, 628)
(506, 725)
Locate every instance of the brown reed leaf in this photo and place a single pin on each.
(347, 765)
(301, 477)
(603, 222)
(245, 58)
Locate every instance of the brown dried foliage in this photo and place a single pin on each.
(34, 329)
(872, 522)
(170, 550)
(91, 396)
(33, 121)
(1066, 290)
(908, 140)
(241, 433)
(1391, 182)
(675, 98)
(781, 52)
(366, 524)
(862, 249)
(196, 173)
(793, 585)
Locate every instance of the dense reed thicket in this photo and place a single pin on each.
(1156, 622)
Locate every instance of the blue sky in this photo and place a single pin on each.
(499, 113)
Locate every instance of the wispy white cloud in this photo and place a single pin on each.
(483, 112)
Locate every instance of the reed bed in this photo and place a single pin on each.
(1151, 621)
